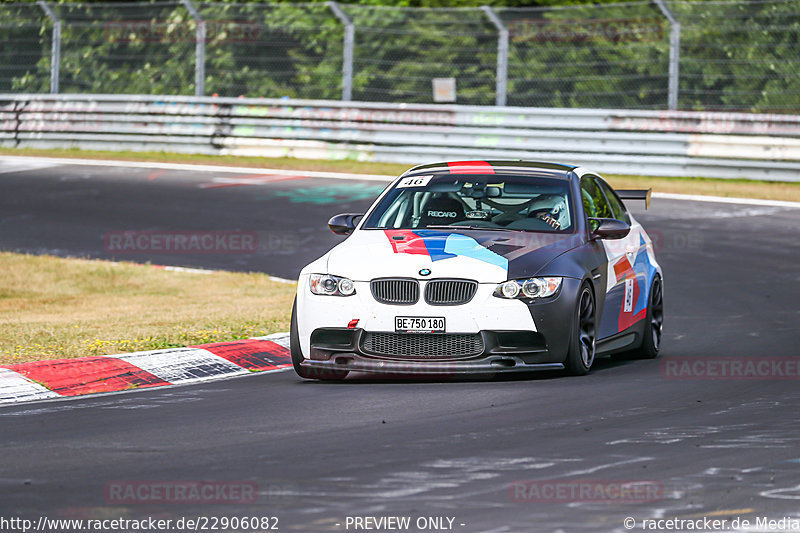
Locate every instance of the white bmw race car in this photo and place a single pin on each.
(481, 267)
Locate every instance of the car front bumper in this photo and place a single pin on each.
(515, 335)
(501, 351)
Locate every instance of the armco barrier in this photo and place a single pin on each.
(657, 143)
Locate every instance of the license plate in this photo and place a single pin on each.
(419, 324)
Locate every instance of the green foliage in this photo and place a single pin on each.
(740, 56)
(734, 55)
(24, 34)
(399, 52)
(615, 56)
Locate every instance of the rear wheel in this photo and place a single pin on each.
(582, 347)
(654, 323)
(297, 356)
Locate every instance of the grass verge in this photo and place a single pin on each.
(53, 308)
(740, 188)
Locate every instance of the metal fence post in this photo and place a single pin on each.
(55, 52)
(502, 56)
(674, 53)
(349, 45)
(199, 49)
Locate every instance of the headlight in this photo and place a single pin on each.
(528, 288)
(509, 289)
(327, 285)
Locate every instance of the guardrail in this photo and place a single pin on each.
(657, 143)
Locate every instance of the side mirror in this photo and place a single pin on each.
(609, 228)
(344, 224)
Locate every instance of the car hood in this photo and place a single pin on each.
(486, 256)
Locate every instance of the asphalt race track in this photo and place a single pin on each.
(481, 452)
(74, 211)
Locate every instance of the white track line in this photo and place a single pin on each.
(190, 270)
(194, 167)
(726, 200)
(16, 165)
(340, 176)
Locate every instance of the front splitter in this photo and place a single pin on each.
(490, 365)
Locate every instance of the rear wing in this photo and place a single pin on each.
(636, 194)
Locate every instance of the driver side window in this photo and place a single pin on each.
(594, 201)
(615, 203)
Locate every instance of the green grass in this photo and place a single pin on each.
(52, 308)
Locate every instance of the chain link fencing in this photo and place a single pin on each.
(692, 55)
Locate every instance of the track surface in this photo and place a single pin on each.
(72, 210)
(320, 452)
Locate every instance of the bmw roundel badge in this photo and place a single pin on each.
(425, 272)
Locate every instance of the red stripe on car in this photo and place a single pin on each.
(470, 167)
(405, 241)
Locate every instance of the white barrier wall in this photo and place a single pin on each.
(657, 143)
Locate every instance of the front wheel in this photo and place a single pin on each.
(582, 346)
(297, 356)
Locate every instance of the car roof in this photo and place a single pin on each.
(538, 168)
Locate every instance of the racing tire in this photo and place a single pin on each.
(297, 356)
(583, 341)
(654, 324)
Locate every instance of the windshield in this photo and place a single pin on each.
(476, 202)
